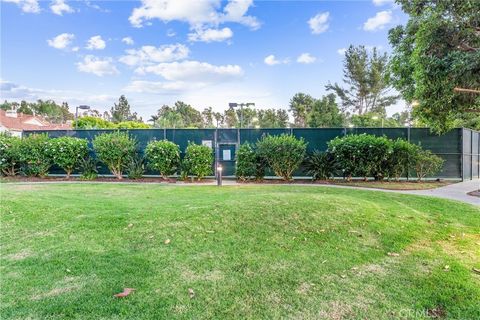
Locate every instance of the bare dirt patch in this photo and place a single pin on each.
(19, 255)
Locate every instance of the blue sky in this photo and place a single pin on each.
(206, 53)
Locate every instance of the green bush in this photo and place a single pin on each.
(68, 152)
(136, 168)
(10, 155)
(247, 162)
(163, 156)
(283, 153)
(116, 150)
(362, 155)
(92, 123)
(426, 163)
(198, 161)
(320, 165)
(36, 154)
(402, 159)
(132, 125)
(88, 168)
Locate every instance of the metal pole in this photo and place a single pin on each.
(76, 117)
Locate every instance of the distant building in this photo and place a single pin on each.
(15, 122)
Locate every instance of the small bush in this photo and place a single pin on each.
(36, 154)
(88, 168)
(136, 168)
(362, 155)
(402, 159)
(246, 162)
(68, 152)
(198, 161)
(10, 154)
(426, 163)
(115, 150)
(320, 165)
(163, 156)
(283, 153)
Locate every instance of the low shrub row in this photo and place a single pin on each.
(35, 154)
(350, 156)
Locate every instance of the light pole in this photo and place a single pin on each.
(376, 118)
(234, 105)
(219, 175)
(83, 107)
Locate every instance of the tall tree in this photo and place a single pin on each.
(191, 117)
(230, 118)
(325, 113)
(300, 105)
(121, 111)
(207, 115)
(272, 118)
(437, 51)
(366, 78)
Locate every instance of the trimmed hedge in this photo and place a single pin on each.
(68, 152)
(163, 156)
(198, 161)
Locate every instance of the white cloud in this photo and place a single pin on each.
(193, 71)
(28, 6)
(319, 23)
(62, 41)
(149, 54)
(96, 43)
(201, 15)
(97, 66)
(210, 35)
(59, 7)
(379, 21)
(381, 2)
(128, 40)
(171, 33)
(306, 58)
(163, 87)
(271, 60)
(342, 51)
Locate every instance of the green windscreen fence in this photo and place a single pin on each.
(459, 147)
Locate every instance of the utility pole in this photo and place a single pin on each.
(234, 105)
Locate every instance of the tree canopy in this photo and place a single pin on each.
(437, 51)
(366, 82)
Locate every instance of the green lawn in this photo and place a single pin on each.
(300, 252)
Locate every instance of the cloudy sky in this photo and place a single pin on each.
(206, 53)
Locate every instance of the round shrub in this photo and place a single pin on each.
(320, 165)
(246, 162)
(402, 159)
(426, 163)
(163, 156)
(198, 161)
(283, 153)
(36, 154)
(68, 152)
(10, 156)
(116, 150)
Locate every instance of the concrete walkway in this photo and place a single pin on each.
(456, 191)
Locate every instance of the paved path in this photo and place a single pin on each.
(456, 191)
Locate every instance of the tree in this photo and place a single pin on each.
(191, 117)
(325, 113)
(207, 115)
(300, 105)
(272, 118)
(230, 118)
(366, 77)
(437, 51)
(121, 112)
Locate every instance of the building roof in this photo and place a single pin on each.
(28, 122)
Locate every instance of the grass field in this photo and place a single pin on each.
(300, 252)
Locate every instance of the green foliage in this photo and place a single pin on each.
(246, 162)
(47, 109)
(88, 168)
(181, 115)
(426, 163)
(120, 112)
(136, 168)
(283, 153)
(10, 154)
(320, 165)
(362, 155)
(325, 113)
(36, 154)
(402, 159)
(132, 125)
(198, 161)
(92, 123)
(300, 105)
(115, 150)
(437, 50)
(366, 75)
(163, 156)
(68, 152)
